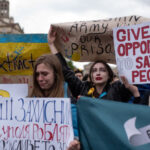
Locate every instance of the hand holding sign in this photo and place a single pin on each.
(133, 89)
(51, 39)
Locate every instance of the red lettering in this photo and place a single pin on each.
(136, 35)
(143, 47)
(138, 60)
(46, 132)
(148, 46)
(55, 132)
(136, 45)
(148, 75)
(37, 132)
(128, 46)
(120, 37)
(121, 50)
(64, 132)
(65, 38)
(128, 34)
(135, 74)
(26, 133)
(146, 62)
(145, 33)
(142, 76)
(18, 132)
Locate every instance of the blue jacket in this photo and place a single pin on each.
(74, 112)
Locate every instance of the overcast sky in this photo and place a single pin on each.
(35, 16)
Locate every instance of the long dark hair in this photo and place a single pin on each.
(110, 72)
(57, 89)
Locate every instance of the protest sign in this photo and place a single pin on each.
(132, 50)
(35, 123)
(18, 54)
(91, 40)
(13, 90)
(110, 125)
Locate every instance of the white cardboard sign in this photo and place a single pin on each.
(35, 123)
(13, 90)
(132, 50)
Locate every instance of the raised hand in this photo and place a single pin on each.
(133, 89)
(51, 37)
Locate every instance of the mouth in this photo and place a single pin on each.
(98, 78)
(42, 84)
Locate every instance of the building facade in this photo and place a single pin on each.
(7, 24)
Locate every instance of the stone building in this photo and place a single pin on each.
(7, 24)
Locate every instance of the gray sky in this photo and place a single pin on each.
(35, 16)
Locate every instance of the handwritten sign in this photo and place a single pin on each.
(35, 123)
(18, 52)
(91, 40)
(132, 48)
(13, 90)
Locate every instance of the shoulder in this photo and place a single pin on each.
(116, 84)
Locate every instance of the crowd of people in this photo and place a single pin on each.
(51, 74)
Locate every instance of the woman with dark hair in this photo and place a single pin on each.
(101, 77)
(48, 81)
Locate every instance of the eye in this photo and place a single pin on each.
(102, 69)
(44, 73)
(94, 69)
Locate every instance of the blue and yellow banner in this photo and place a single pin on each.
(109, 125)
(18, 52)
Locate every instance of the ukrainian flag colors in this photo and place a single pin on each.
(18, 52)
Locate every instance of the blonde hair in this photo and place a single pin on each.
(57, 89)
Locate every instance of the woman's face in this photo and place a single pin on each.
(44, 76)
(99, 74)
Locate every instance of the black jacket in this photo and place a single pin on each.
(115, 91)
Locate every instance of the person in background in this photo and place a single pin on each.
(101, 76)
(86, 77)
(48, 81)
(79, 73)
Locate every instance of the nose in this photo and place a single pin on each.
(98, 72)
(40, 77)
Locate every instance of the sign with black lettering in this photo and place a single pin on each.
(91, 40)
(35, 123)
(132, 50)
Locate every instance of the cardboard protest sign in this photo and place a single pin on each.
(13, 90)
(91, 40)
(37, 123)
(132, 49)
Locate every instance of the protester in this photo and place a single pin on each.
(79, 73)
(145, 100)
(86, 77)
(48, 81)
(101, 76)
